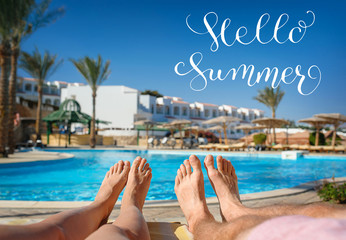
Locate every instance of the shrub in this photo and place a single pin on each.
(259, 138)
(321, 139)
(331, 192)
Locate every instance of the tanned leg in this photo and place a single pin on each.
(77, 223)
(189, 188)
(225, 184)
(130, 224)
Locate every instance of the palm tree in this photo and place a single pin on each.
(271, 98)
(41, 68)
(7, 22)
(95, 73)
(29, 16)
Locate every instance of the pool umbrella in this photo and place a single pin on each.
(219, 129)
(246, 129)
(271, 123)
(224, 121)
(318, 123)
(180, 124)
(336, 119)
(195, 128)
(148, 124)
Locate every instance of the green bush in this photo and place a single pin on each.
(321, 139)
(259, 138)
(330, 192)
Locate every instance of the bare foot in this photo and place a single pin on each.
(225, 184)
(112, 185)
(189, 188)
(138, 184)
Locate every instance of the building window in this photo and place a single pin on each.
(54, 90)
(234, 114)
(167, 111)
(191, 112)
(184, 111)
(28, 87)
(152, 108)
(226, 113)
(243, 116)
(176, 111)
(48, 101)
(56, 102)
(35, 88)
(198, 113)
(159, 109)
(214, 113)
(206, 113)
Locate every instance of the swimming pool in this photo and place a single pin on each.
(79, 178)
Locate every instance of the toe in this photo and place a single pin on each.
(229, 168)
(219, 163)
(187, 166)
(225, 165)
(146, 167)
(136, 163)
(120, 166)
(183, 170)
(111, 170)
(195, 163)
(177, 181)
(179, 174)
(148, 172)
(127, 166)
(107, 174)
(209, 162)
(141, 165)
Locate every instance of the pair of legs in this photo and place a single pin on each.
(90, 221)
(238, 220)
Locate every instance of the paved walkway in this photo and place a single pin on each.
(25, 212)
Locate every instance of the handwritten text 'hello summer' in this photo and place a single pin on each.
(288, 75)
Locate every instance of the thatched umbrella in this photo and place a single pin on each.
(318, 123)
(246, 129)
(195, 128)
(148, 124)
(224, 121)
(336, 119)
(271, 123)
(217, 128)
(179, 124)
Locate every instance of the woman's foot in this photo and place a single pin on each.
(225, 184)
(189, 188)
(137, 185)
(112, 185)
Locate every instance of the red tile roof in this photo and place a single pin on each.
(182, 102)
(209, 104)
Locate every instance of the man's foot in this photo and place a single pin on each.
(137, 185)
(189, 188)
(225, 184)
(112, 185)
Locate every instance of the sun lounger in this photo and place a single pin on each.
(294, 147)
(237, 146)
(280, 147)
(304, 147)
(164, 230)
(340, 149)
(316, 148)
(206, 147)
(223, 147)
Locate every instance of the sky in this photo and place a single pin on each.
(145, 40)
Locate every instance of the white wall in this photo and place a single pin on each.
(116, 104)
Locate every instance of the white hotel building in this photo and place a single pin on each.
(122, 106)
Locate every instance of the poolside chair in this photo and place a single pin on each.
(304, 147)
(328, 149)
(151, 141)
(237, 146)
(340, 149)
(280, 147)
(316, 148)
(293, 147)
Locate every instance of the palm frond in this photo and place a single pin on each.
(94, 71)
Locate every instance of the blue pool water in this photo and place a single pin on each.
(78, 179)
